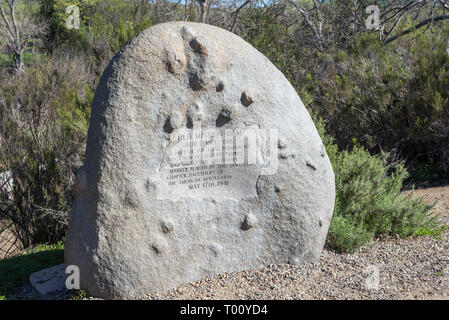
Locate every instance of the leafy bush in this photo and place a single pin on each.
(43, 123)
(346, 235)
(369, 199)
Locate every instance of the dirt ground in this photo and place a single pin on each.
(440, 194)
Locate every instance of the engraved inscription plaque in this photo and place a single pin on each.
(218, 163)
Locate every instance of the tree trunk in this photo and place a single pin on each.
(19, 64)
(204, 10)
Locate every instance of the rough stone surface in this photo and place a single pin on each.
(49, 280)
(131, 232)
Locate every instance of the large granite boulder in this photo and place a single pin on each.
(144, 217)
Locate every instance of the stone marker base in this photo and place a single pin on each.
(49, 280)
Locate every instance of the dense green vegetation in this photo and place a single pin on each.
(382, 109)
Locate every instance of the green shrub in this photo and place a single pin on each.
(345, 235)
(370, 201)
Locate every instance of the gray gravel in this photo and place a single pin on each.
(414, 268)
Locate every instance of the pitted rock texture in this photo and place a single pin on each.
(126, 240)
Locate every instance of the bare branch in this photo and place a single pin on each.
(236, 13)
(416, 27)
(18, 31)
(318, 35)
(7, 25)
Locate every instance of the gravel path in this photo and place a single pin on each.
(415, 268)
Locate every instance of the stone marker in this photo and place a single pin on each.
(163, 197)
(49, 280)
